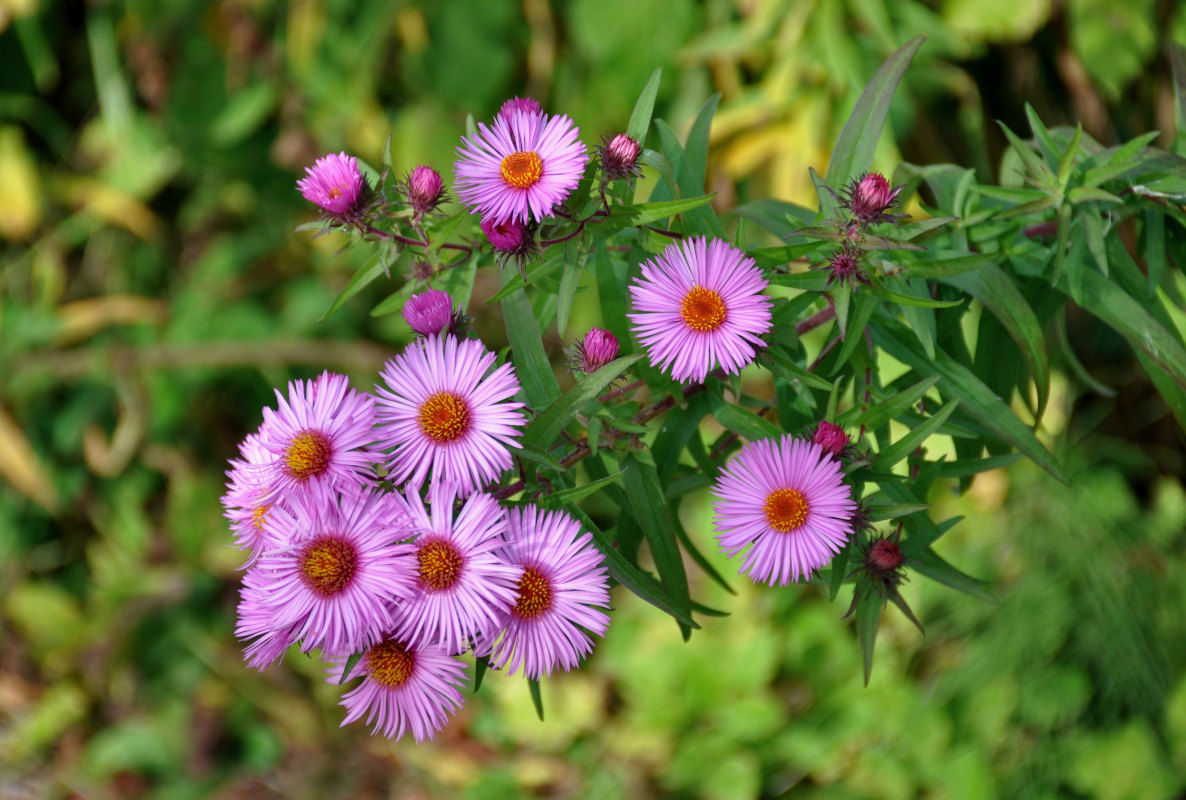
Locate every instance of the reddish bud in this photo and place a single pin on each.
(831, 438)
(598, 348)
(884, 556)
(429, 313)
(845, 269)
(619, 157)
(423, 189)
(870, 197)
(506, 236)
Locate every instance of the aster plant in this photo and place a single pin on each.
(737, 352)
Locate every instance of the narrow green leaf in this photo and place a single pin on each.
(882, 412)
(868, 620)
(640, 118)
(842, 300)
(839, 568)
(1155, 256)
(785, 367)
(935, 268)
(544, 429)
(575, 255)
(1067, 164)
(907, 444)
(928, 563)
(812, 281)
(876, 513)
(976, 399)
(993, 289)
(1093, 231)
(866, 303)
(829, 203)
(1042, 136)
(647, 505)
(536, 699)
(1090, 194)
(966, 468)
(744, 423)
(527, 350)
(854, 149)
(481, 664)
(629, 575)
(885, 293)
(367, 273)
(1034, 165)
(1178, 70)
(537, 455)
(700, 561)
(565, 497)
(646, 213)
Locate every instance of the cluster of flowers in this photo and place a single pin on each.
(369, 519)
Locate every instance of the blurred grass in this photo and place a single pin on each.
(153, 293)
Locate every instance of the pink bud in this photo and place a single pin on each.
(870, 197)
(599, 348)
(884, 555)
(846, 269)
(424, 189)
(619, 157)
(429, 312)
(505, 236)
(831, 438)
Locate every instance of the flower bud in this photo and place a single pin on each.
(423, 189)
(335, 184)
(831, 438)
(598, 348)
(429, 312)
(845, 269)
(884, 556)
(870, 198)
(519, 105)
(619, 157)
(509, 236)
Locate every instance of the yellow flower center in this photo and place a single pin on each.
(307, 455)
(259, 514)
(440, 564)
(703, 309)
(535, 594)
(389, 663)
(786, 509)
(327, 565)
(443, 417)
(523, 169)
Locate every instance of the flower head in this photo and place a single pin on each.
(869, 198)
(830, 437)
(698, 305)
(442, 413)
(462, 588)
(249, 498)
(598, 348)
(619, 157)
(845, 268)
(405, 688)
(516, 105)
(336, 568)
(334, 183)
(319, 435)
(430, 312)
(786, 500)
(561, 588)
(520, 168)
(423, 189)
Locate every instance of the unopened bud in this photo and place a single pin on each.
(429, 313)
(335, 184)
(619, 157)
(870, 198)
(845, 269)
(508, 236)
(423, 189)
(884, 556)
(831, 438)
(598, 348)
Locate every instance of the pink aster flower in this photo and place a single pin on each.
(463, 589)
(521, 167)
(334, 183)
(429, 312)
(267, 643)
(562, 583)
(405, 688)
(319, 435)
(786, 500)
(698, 305)
(338, 568)
(519, 105)
(442, 413)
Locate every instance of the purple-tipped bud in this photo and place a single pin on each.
(619, 157)
(884, 556)
(870, 198)
(430, 312)
(831, 438)
(519, 104)
(334, 183)
(506, 236)
(845, 269)
(424, 188)
(598, 349)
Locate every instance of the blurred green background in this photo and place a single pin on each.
(153, 293)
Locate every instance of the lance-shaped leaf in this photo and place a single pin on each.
(900, 449)
(648, 507)
(854, 149)
(544, 429)
(362, 278)
(646, 213)
(640, 118)
(527, 347)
